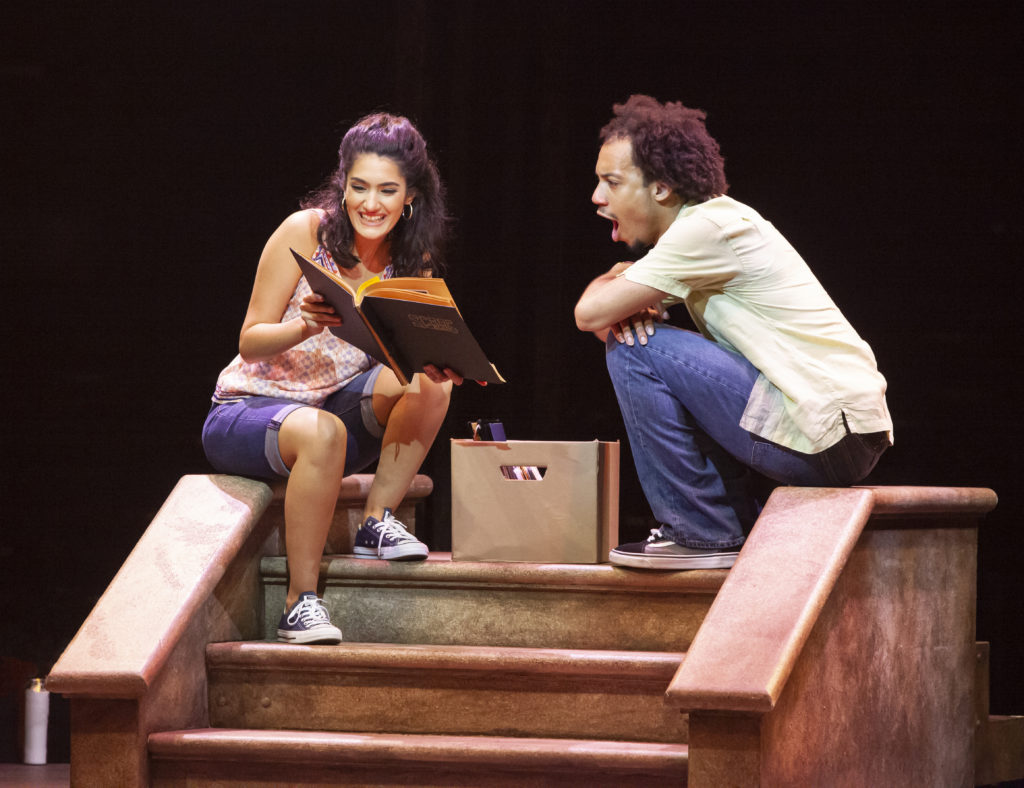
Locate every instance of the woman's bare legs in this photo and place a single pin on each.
(413, 415)
(312, 444)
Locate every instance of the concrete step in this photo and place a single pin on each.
(445, 602)
(455, 690)
(261, 759)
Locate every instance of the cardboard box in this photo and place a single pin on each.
(570, 514)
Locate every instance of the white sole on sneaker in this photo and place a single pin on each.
(405, 552)
(677, 562)
(324, 636)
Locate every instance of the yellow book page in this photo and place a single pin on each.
(422, 290)
(409, 295)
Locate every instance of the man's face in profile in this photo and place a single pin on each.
(623, 198)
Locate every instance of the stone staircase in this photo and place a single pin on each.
(839, 650)
(455, 674)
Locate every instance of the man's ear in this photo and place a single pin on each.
(662, 192)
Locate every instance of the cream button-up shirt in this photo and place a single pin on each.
(747, 289)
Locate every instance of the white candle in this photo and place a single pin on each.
(37, 714)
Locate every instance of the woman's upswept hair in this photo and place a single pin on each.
(671, 145)
(416, 243)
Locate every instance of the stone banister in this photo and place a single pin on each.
(970, 502)
(137, 664)
(843, 634)
(173, 569)
(763, 613)
(170, 574)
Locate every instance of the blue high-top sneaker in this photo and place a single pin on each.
(307, 622)
(387, 538)
(661, 553)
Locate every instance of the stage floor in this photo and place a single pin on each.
(52, 775)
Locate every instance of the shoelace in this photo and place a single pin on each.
(310, 611)
(656, 534)
(391, 527)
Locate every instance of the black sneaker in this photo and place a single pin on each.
(387, 538)
(661, 553)
(307, 622)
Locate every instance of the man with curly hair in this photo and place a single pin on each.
(774, 384)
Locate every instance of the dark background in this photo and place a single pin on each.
(149, 150)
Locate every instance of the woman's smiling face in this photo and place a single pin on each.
(375, 195)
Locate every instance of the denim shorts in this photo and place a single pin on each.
(240, 435)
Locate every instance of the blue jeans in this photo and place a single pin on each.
(682, 397)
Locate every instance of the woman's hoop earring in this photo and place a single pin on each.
(343, 203)
(409, 206)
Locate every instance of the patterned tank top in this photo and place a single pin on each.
(308, 372)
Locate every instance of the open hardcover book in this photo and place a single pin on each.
(404, 322)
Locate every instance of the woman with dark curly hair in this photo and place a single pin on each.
(776, 383)
(299, 403)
